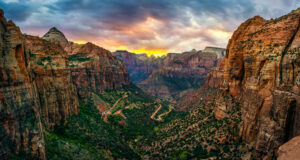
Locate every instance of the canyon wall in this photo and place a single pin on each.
(93, 69)
(52, 76)
(20, 112)
(41, 80)
(262, 73)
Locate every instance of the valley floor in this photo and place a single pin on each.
(132, 125)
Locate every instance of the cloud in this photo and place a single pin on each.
(172, 25)
(15, 10)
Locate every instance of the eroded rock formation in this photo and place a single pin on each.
(20, 123)
(93, 68)
(40, 84)
(261, 71)
(52, 75)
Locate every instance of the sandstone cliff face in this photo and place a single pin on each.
(184, 71)
(214, 77)
(52, 75)
(139, 66)
(94, 69)
(20, 123)
(262, 72)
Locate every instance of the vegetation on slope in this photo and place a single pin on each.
(132, 132)
(88, 136)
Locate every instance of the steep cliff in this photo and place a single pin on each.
(20, 123)
(181, 72)
(214, 76)
(261, 71)
(52, 75)
(93, 68)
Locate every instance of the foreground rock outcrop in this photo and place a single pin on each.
(40, 85)
(261, 73)
(261, 70)
(20, 112)
(290, 150)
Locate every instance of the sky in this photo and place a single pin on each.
(143, 26)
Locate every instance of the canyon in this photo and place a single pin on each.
(37, 84)
(173, 75)
(62, 100)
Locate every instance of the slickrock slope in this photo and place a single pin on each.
(139, 66)
(262, 72)
(20, 123)
(94, 69)
(290, 150)
(52, 75)
(182, 72)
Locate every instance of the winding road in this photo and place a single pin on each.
(159, 118)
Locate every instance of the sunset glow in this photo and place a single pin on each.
(154, 52)
(153, 27)
(80, 42)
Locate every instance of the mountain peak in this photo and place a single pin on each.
(56, 36)
(54, 31)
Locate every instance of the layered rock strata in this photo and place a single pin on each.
(52, 76)
(93, 69)
(20, 122)
(262, 72)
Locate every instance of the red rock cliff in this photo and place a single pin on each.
(52, 75)
(20, 123)
(261, 71)
(93, 68)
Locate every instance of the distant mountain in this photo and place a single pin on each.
(179, 73)
(168, 76)
(139, 66)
